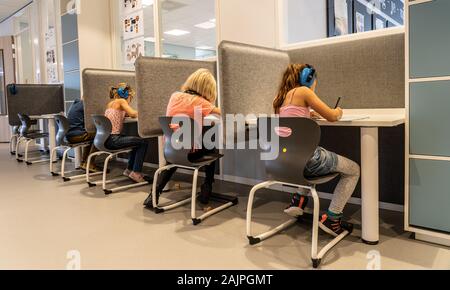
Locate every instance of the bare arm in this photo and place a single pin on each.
(313, 101)
(132, 113)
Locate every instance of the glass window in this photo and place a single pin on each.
(188, 29)
(304, 20)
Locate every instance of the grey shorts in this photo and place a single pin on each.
(322, 163)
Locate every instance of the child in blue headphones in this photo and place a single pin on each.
(116, 111)
(297, 98)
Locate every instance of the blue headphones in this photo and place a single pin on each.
(307, 76)
(124, 93)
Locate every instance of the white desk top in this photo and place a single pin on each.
(45, 117)
(369, 118)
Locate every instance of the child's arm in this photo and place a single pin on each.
(320, 107)
(132, 113)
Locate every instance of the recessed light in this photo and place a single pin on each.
(146, 3)
(204, 47)
(206, 25)
(176, 32)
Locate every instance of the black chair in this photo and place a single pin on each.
(28, 135)
(287, 169)
(63, 144)
(179, 158)
(103, 126)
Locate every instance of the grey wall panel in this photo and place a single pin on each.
(429, 118)
(156, 80)
(429, 41)
(71, 56)
(34, 100)
(69, 25)
(249, 77)
(369, 72)
(96, 87)
(72, 85)
(429, 194)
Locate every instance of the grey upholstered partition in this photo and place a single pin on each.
(156, 80)
(96, 86)
(249, 77)
(34, 100)
(369, 72)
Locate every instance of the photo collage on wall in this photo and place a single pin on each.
(132, 30)
(51, 61)
(354, 16)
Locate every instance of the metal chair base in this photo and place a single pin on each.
(316, 257)
(104, 182)
(229, 201)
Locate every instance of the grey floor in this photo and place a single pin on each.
(44, 220)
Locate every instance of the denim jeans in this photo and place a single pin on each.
(137, 155)
(322, 163)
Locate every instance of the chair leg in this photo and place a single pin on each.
(105, 170)
(88, 165)
(194, 198)
(19, 140)
(52, 157)
(63, 162)
(174, 205)
(12, 143)
(317, 257)
(27, 145)
(257, 239)
(315, 229)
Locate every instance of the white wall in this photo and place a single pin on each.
(7, 28)
(94, 34)
(250, 21)
(303, 20)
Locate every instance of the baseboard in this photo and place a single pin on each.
(433, 240)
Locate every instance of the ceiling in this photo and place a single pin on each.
(8, 7)
(184, 15)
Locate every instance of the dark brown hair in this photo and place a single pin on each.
(290, 81)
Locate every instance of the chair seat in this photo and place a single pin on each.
(322, 179)
(36, 135)
(206, 159)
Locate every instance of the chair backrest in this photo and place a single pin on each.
(26, 124)
(294, 151)
(177, 155)
(104, 127)
(63, 127)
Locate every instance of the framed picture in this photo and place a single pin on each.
(133, 25)
(339, 17)
(379, 22)
(130, 6)
(133, 49)
(363, 20)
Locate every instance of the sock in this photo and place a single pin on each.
(334, 216)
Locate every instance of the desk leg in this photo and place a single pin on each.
(370, 185)
(78, 154)
(51, 134)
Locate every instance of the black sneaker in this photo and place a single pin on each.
(148, 203)
(205, 193)
(297, 207)
(334, 227)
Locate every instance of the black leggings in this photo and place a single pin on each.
(210, 171)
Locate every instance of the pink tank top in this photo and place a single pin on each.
(292, 111)
(117, 117)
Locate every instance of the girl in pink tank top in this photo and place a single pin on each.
(297, 99)
(117, 110)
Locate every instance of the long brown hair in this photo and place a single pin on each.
(290, 81)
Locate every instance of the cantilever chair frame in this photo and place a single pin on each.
(13, 139)
(104, 128)
(181, 157)
(23, 131)
(63, 144)
(304, 149)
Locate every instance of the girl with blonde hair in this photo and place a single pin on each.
(198, 94)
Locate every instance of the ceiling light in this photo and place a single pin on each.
(146, 3)
(204, 47)
(206, 25)
(177, 32)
